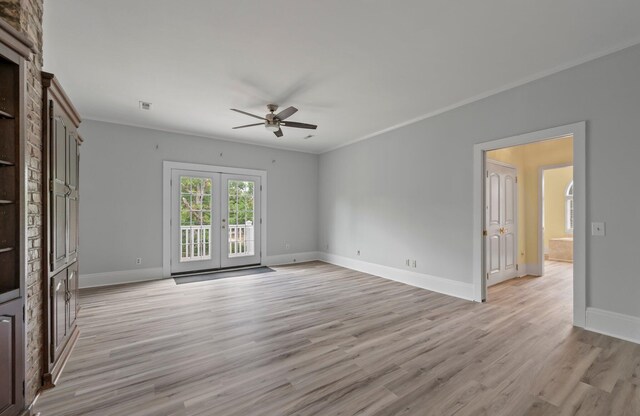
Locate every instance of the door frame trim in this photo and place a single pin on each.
(578, 131)
(541, 210)
(517, 217)
(168, 166)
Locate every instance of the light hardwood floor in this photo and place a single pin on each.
(319, 339)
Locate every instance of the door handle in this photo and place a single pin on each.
(502, 230)
(5, 320)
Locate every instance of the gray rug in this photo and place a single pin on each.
(221, 275)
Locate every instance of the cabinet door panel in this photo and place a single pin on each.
(10, 359)
(73, 229)
(72, 287)
(58, 312)
(72, 165)
(72, 183)
(59, 192)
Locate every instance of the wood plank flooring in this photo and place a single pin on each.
(317, 339)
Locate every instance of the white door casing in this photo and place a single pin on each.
(579, 133)
(168, 166)
(501, 222)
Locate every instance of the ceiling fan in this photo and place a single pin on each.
(273, 122)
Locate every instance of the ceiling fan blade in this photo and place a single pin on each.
(278, 133)
(248, 114)
(299, 125)
(286, 113)
(248, 125)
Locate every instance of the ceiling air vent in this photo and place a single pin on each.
(145, 105)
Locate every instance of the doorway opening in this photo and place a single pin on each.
(532, 219)
(529, 219)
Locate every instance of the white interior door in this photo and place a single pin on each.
(240, 220)
(501, 246)
(195, 215)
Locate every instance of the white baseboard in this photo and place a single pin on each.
(290, 258)
(154, 273)
(120, 277)
(614, 324)
(421, 280)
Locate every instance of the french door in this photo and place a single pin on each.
(501, 223)
(215, 220)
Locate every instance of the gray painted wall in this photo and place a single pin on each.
(121, 192)
(408, 193)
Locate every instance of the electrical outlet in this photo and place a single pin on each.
(139, 260)
(358, 252)
(413, 264)
(408, 262)
(294, 260)
(287, 246)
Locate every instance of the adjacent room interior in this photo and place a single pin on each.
(319, 208)
(529, 223)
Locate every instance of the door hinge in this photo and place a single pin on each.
(487, 276)
(516, 179)
(260, 220)
(23, 388)
(487, 174)
(484, 233)
(23, 314)
(260, 188)
(517, 267)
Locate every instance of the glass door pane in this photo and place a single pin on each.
(240, 235)
(240, 216)
(194, 217)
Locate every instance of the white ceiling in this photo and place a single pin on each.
(354, 67)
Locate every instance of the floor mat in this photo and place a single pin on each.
(221, 275)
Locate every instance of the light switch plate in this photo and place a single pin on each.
(597, 229)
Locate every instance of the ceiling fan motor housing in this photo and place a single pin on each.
(273, 121)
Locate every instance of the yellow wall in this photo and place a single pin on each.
(528, 159)
(556, 182)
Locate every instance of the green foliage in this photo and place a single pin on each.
(196, 201)
(241, 199)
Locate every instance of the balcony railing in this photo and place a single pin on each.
(195, 241)
(241, 240)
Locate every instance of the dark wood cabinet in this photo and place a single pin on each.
(14, 49)
(62, 144)
(11, 358)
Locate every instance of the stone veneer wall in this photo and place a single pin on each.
(26, 16)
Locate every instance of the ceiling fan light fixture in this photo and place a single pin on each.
(273, 127)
